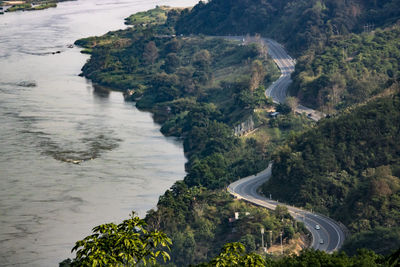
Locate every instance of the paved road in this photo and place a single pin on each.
(286, 64)
(330, 232)
(278, 90)
(330, 236)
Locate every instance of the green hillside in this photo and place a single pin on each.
(347, 167)
(300, 24)
(348, 70)
(199, 88)
(201, 221)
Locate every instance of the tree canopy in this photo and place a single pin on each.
(348, 167)
(126, 244)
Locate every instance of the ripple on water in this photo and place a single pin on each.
(47, 202)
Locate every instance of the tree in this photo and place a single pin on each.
(257, 74)
(150, 53)
(282, 212)
(249, 242)
(165, 86)
(172, 62)
(283, 108)
(173, 46)
(202, 60)
(126, 244)
(183, 250)
(234, 254)
(292, 102)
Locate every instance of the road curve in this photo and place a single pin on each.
(330, 236)
(330, 231)
(278, 89)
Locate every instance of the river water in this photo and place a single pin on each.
(71, 156)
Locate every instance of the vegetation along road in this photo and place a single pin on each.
(327, 234)
(278, 90)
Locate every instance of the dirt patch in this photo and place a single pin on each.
(294, 246)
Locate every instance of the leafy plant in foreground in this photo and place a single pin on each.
(126, 244)
(234, 254)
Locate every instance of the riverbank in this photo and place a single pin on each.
(30, 5)
(199, 89)
(48, 204)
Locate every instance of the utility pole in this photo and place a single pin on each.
(262, 237)
(281, 244)
(270, 239)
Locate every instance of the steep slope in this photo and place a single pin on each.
(299, 24)
(347, 167)
(349, 70)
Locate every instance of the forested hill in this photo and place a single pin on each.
(299, 24)
(348, 167)
(348, 70)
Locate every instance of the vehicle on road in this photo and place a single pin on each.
(321, 241)
(317, 227)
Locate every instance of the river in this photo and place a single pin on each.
(71, 156)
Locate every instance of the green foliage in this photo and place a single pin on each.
(381, 240)
(19, 7)
(249, 242)
(348, 70)
(126, 244)
(197, 220)
(234, 254)
(173, 70)
(43, 6)
(198, 88)
(299, 24)
(153, 16)
(346, 167)
(31, 5)
(319, 258)
(150, 53)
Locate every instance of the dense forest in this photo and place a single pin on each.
(351, 69)
(135, 243)
(201, 221)
(349, 168)
(348, 50)
(234, 254)
(298, 24)
(199, 89)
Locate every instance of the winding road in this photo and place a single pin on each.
(330, 232)
(330, 235)
(278, 90)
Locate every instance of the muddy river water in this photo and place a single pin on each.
(71, 157)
